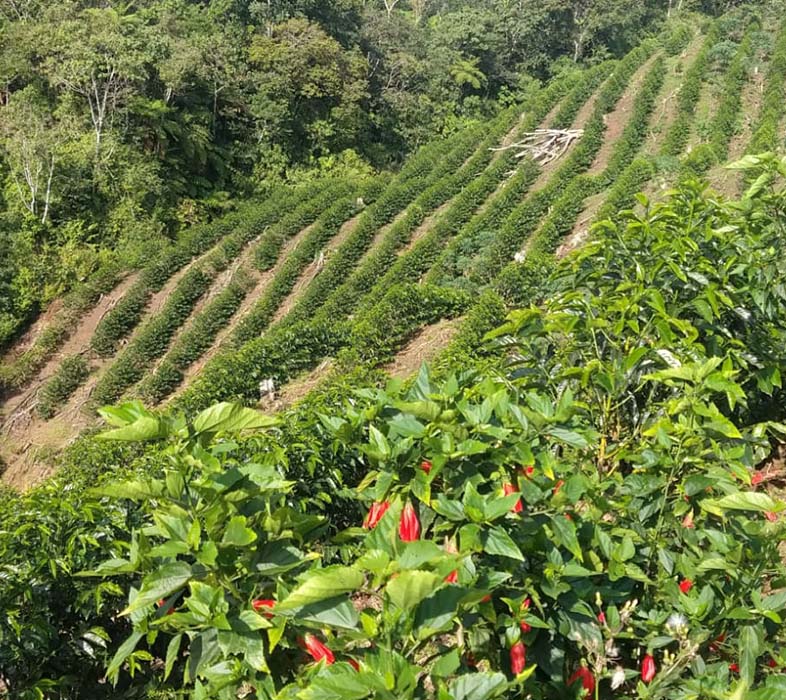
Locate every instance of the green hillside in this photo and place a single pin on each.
(229, 474)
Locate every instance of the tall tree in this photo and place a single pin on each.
(98, 55)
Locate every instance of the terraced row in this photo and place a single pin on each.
(297, 344)
(438, 242)
(197, 285)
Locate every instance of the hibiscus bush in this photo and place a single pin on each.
(587, 520)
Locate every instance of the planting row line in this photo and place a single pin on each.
(688, 97)
(297, 345)
(133, 363)
(388, 265)
(153, 339)
(766, 131)
(421, 198)
(345, 298)
(566, 209)
(419, 172)
(483, 205)
(125, 316)
(204, 328)
(724, 122)
(525, 217)
(16, 373)
(119, 323)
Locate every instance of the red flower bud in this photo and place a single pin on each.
(518, 658)
(375, 513)
(486, 598)
(648, 668)
(757, 478)
(452, 577)
(772, 663)
(556, 489)
(425, 465)
(584, 675)
(718, 640)
(771, 516)
(602, 617)
(260, 603)
(528, 471)
(162, 603)
(508, 489)
(734, 668)
(317, 649)
(685, 585)
(687, 521)
(354, 664)
(409, 526)
(525, 626)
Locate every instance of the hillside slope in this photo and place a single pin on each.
(314, 274)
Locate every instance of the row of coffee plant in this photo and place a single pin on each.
(724, 123)
(204, 328)
(345, 298)
(566, 209)
(153, 339)
(525, 217)
(17, 372)
(421, 198)
(188, 347)
(395, 199)
(266, 358)
(187, 292)
(766, 132)
(482, 201)
(294, 335)
(679, 131)
(451, 262)
(305, 254)
(125, 316)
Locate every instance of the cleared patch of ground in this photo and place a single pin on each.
(423, 347)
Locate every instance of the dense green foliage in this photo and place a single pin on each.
(624, 412)
(289, 200)
(122, 125)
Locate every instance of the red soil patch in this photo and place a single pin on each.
(426, 344)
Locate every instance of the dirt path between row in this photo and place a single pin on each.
(312, 269)
(423, 347)
(665, 112)
(262, 282)
(27, 442)
(78, 343)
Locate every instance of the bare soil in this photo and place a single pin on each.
(617, 119)
(78, 343)
(580, 233)
(666, 110)
(426, 344)
(28, 338)
(313, 269)
(28, 444)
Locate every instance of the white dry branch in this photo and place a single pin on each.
(544, 145)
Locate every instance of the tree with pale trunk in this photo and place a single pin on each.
(30, 141)
(98, 56)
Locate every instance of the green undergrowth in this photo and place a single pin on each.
(570, 498)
